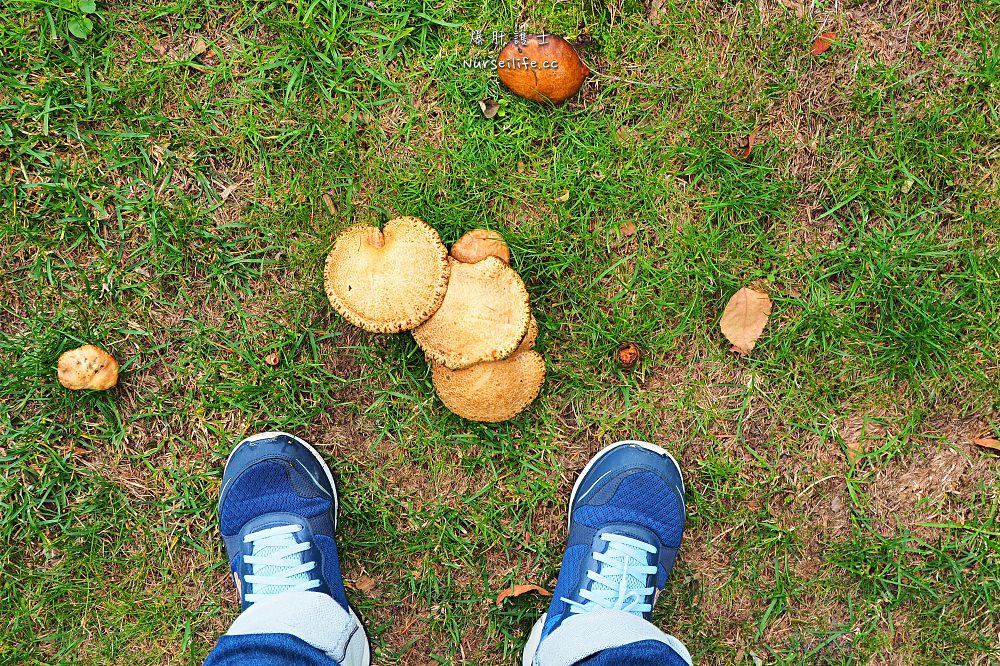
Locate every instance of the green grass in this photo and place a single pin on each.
(868, 208)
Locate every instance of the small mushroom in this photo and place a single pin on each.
(88, 367)
(388, 280)
(478, 244)
(494, 391)
(546, 69)
(484, 315)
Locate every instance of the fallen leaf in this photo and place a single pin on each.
(160, 154)
(823, 43)
(518, 590)
(364, 584)
(854, 451)
(987, 443)
(744, 319)
(751, 141)
(796, 6)
(563, 197)
(228, 192)
(490, 107)
(328, 200)
(272, 359)
(627, 229)
(197, 48)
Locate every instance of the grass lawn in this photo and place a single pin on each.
(171, 183)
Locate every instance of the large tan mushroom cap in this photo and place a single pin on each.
(88, 367)
(494, 391)
(484, 315)
(478, 244)
(390, 280)
(530, 338)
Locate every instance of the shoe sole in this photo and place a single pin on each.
(322, 463)
(366, 657)
(600, 454)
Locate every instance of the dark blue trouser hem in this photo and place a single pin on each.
(287, 650)
(641, 653)
(266, 650)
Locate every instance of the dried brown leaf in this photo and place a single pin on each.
(797, 7)
(987, 443)
(854, 451)
(364, 584)
(518, 590)
(822, 43)
(490, 107)
(228, 192)
(627, 229)
(751, 141)
(198, 46)
(328, 200)
(744, 319)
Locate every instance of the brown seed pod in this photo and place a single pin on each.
(546, 69)
(628, 354)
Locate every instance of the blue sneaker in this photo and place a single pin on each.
(278, 518)
(626, 520)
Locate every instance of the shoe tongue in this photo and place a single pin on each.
(637, 557)
(268, 547)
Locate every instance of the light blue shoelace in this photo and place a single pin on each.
(620, 581)
(277, 563)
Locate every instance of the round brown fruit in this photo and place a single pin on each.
(557, 73)
(628, 354)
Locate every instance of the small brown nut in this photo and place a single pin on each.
(88, 367)
(478, 244)
(628, 354)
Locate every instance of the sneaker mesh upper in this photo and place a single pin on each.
(268, 487)
(631, 504)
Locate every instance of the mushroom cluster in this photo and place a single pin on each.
(467, 309)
